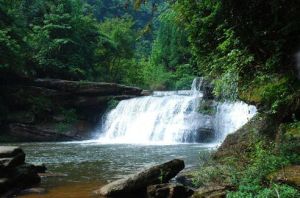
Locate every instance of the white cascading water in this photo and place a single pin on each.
(231, 116)
(169, 117)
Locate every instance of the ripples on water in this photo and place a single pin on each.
(90, 161)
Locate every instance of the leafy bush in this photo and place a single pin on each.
(112, 104)
(252, 180)
(70, 117)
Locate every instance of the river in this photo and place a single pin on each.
(82, 167)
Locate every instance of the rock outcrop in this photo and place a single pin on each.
(288, 175)
(15, 174)
(36, 133)
(239, 143)
(137, 184)
(38, 109)
(87, 88)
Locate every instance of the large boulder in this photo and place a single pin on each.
(239, 143)
(10, 162)
(137, 183)
(289, 175)
(10, 151)
(15, 174)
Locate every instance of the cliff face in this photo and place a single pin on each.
(53, 109)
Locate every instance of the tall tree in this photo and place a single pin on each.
(65, 42)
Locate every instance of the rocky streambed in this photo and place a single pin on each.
(87, 166)
(15, 173)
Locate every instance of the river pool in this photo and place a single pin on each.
(81, 167)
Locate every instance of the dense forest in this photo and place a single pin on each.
(93, 40)
(247, 50)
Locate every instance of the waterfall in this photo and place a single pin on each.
(168, 117)
(231, 116)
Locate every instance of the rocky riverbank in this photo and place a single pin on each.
(56, 110)
(151, 183)
(15, 173)
(262, 157)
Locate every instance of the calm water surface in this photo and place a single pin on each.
(84, 166)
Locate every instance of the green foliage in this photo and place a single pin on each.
(64, 43)
(39, 105)
(214, 174)
(270, 29)
(216, 49)
(112, 104)
(274, 191)
(233, 43)
(12, 47)
(252, 181)
(70, 117)
(170, 55)
(118, 57)
(273, 91)
(292, 130)
(155, 76)
(161, 176)
(210, 172)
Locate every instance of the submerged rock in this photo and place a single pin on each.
(138, 183)
(33, 191)
(168, 191)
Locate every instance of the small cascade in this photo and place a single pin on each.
(231, 116)
(169, 117)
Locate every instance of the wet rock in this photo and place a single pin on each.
(36, 133)
(25, 176)
(4, 183)
(40, 168)
(211, 192)
(239, 143)
(33, 191)
(87, 88)
(207, 89)
(289, 175)
(185, 178)
(205, 135)
(168, 190)
(22, 117)
(88, 99)
(139, 182)
(146, 93)
(10, 151)
(10, 162)
(15, 174)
